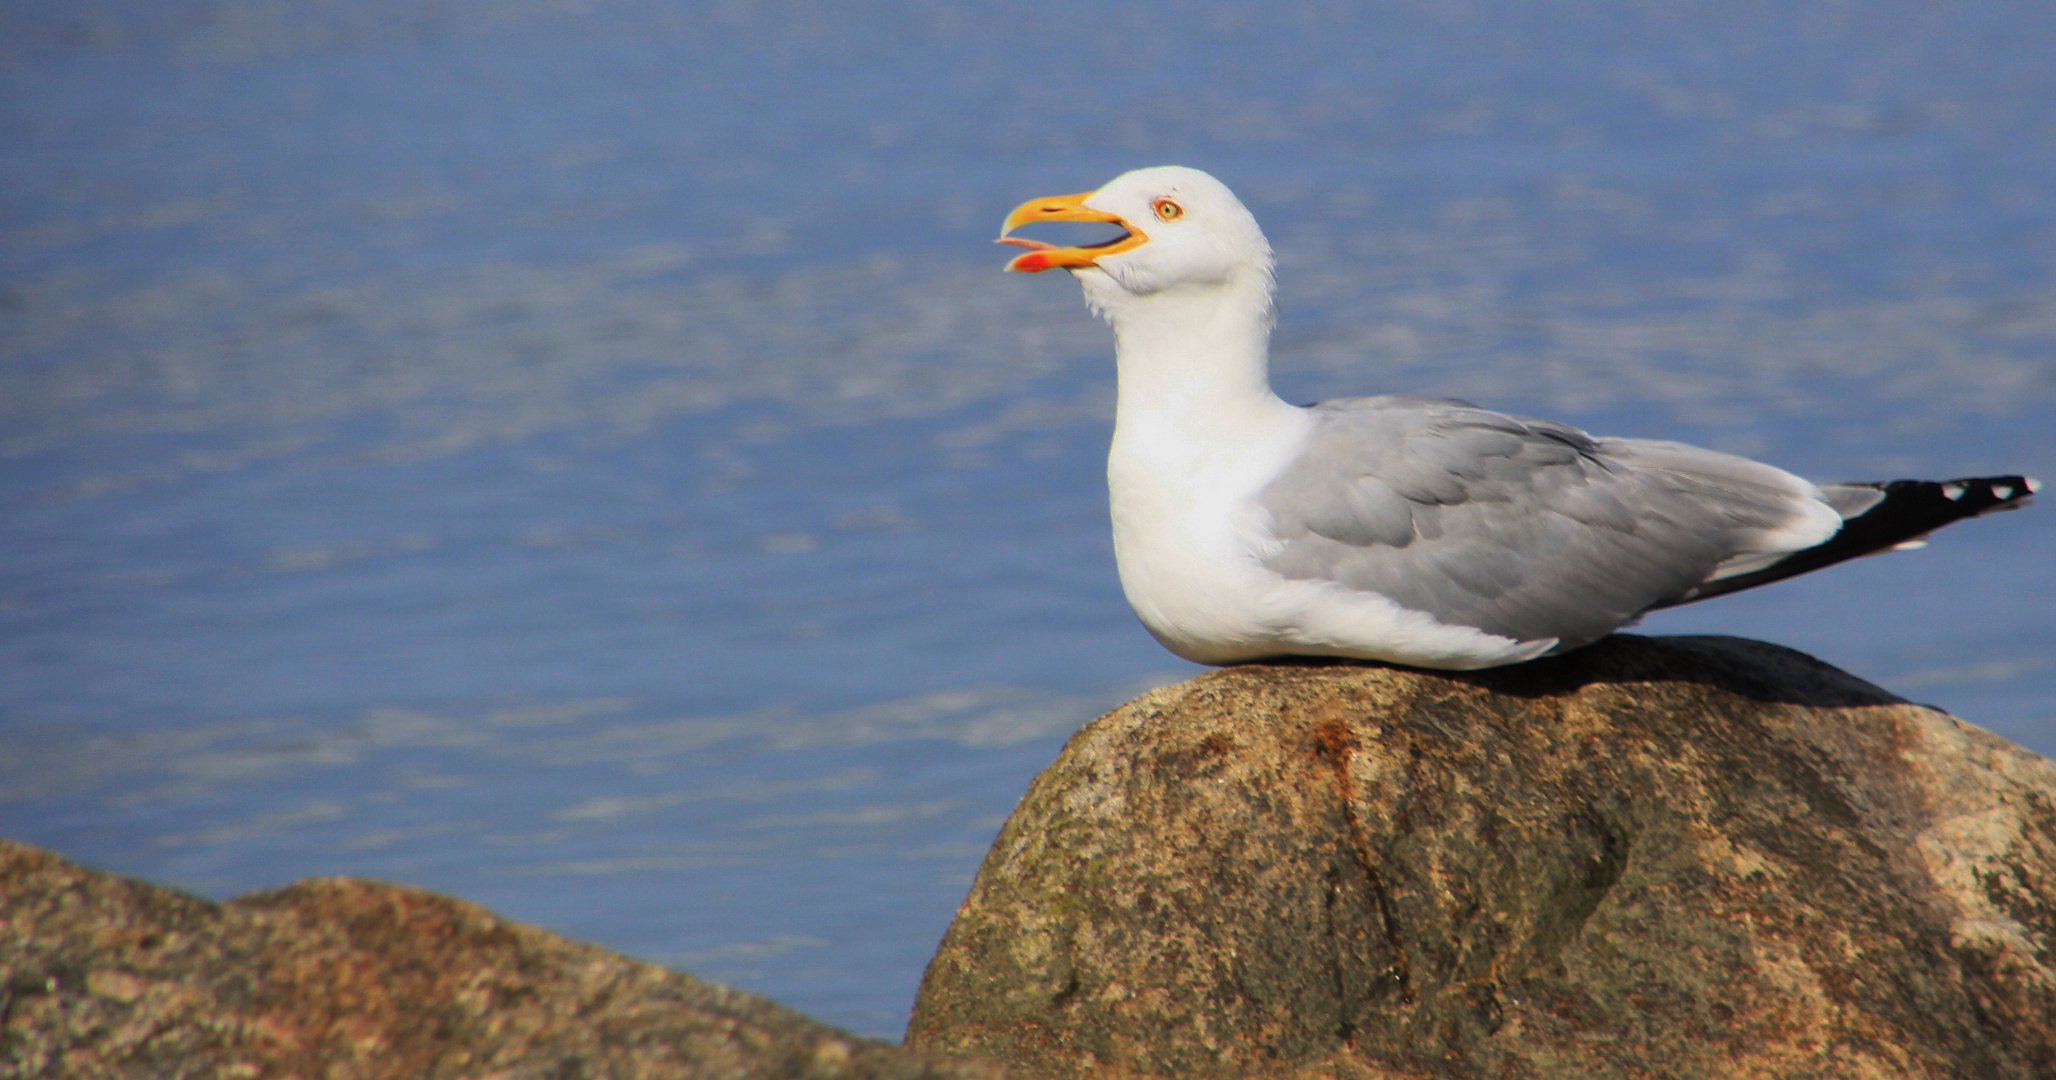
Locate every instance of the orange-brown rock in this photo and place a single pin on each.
(1686, 857)
(341, 979)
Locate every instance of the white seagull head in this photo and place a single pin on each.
(1182, 229)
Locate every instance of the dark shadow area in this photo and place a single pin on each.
(1756, 670)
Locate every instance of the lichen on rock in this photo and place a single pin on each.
(1682, 857)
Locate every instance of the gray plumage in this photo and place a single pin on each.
(1525, 528)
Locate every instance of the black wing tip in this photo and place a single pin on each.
(1945, 501)
(1909, 511)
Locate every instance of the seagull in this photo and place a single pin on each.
(1422, 531)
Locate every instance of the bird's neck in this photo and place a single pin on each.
(1194, 357)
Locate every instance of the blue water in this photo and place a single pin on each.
(584, 458)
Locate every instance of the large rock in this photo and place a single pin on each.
(1687, 857)
(102, 976)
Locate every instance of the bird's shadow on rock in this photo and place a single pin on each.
(1756, 670)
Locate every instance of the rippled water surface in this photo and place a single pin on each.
(582, 457)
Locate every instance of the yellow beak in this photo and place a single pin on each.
(1043, 256)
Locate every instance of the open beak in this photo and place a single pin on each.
(1043, 256)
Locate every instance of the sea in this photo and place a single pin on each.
(582, 456)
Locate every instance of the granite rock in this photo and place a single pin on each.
(1681, 857)
(104, 976)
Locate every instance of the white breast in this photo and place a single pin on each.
(1188, 533)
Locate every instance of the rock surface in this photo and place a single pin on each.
(102, 976)
(1684, 857)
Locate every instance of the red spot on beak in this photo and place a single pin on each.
(1032, 263)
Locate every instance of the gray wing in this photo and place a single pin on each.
(1525, 528)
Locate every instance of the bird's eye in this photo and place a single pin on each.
(1168, 210)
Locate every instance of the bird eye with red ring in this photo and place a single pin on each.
(1168, 210)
